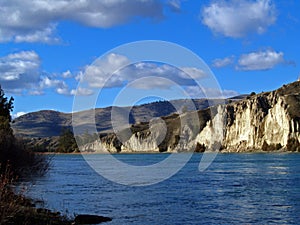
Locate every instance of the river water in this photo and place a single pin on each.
(235, 189)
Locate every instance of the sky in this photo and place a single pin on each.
(53, 51)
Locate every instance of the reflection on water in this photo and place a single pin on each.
(235, 189)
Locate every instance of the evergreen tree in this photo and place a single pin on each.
(13, 153)
(67, 142)
(6, 106)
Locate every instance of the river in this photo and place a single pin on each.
(235, 189)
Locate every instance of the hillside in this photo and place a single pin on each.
(49, 123)
(268, 121)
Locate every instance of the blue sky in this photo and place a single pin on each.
(47, 46)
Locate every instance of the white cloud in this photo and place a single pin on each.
(81, 91)
(260, 60)
(237, 18)
(107, 73)
(67, 74)
(45, 35)
(19, 71)
(61, 88)
(219, 63)
(96, 75)
(193, 72)
(197, 92)
(18, 114)
(59, 85)
(36, 20)
(36, 92)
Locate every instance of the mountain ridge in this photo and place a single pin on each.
(48, 123)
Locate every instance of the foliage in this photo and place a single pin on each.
(13, 152)
(86, 138)
(67, 142)
(271, 147)
(16, 161)
(200, 147)
(293, 145)
(6, 106)
(17, 209)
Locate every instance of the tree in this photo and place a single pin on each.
(6, 106)
(67, 142)
(13, 153)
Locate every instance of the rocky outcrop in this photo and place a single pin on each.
(90, 219)
(265, 122)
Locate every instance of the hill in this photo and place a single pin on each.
(48, 123)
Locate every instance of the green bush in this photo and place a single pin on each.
(67, 142)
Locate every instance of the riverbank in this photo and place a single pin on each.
(17, 209)
(229, 151)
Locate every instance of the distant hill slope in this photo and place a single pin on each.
(49, 123)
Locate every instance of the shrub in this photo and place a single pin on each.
(200, 147)
(293, 145)
(271, 147)
(67, 142)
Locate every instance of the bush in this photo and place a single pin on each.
(271, 147)
(17, 160)
(293, 145)
(67, 142)
(17, 209)
(200, 147)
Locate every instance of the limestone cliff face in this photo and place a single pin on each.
(268, 121)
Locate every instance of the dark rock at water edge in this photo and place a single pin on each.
(91, 219)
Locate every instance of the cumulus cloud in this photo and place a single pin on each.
(219, 63)
(45, 35)
(36, 21)
(61, 87)
(99, 73)
(67, 74)
(237, 18)
(19, 71)
(197, 92)
(260, 60)
(193, 72)
(18, 114)
(116, 70)
(81, 91)
(181, 76)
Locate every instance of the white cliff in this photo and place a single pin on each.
(267, 121)
(262, 122)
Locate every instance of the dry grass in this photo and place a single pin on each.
(17, 209)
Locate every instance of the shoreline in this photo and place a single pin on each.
(152, 152)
